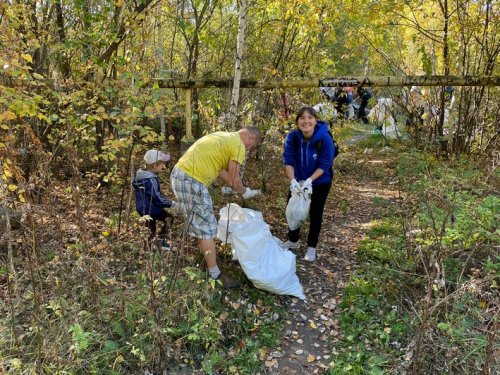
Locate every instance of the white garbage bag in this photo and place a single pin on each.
(263, 261)
(326, 111)
(381, 116)
(297, 209)
(389, 129)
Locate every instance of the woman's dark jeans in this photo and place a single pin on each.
(318, 200)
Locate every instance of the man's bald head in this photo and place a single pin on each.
(251, 137)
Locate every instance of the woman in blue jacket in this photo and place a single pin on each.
(308, 157)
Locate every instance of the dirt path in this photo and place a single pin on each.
(307, 344)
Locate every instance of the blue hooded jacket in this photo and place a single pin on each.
(148, 198)
(306, 158)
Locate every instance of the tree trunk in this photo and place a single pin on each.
(240, 45)
(446, 64)
(123, 32)
(161, 58)
(61, 31)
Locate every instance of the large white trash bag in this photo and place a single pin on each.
(381, 116)
(297, 209)
(263, 261)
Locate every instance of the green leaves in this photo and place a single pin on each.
(426, 61)
(81, 339)
(493, 266)
(443, 326)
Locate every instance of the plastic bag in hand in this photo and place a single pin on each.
(307, 187)
(294, 186)
(297, 209)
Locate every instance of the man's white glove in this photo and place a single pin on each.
(249, 193)
(294, 186)
(307, 187)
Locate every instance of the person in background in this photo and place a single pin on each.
(215, 155)
(365, 94)
(148, 197)
(449, 96)
(329, 93)
(349, 97)
(343, 101)
(308, 157)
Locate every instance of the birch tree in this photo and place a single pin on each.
(240, 46)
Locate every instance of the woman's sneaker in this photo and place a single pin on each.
(310, 254)
(290, 245)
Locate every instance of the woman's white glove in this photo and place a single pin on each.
(294, 186)
(249, 193)
(307, 187)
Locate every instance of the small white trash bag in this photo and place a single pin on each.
(263, 261)
(297, 209)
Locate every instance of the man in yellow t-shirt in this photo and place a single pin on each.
(215, 155)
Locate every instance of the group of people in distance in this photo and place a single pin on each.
(343, 97)
(308, 163)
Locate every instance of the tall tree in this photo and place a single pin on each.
(240, 45)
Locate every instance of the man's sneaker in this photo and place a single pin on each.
(310, 254)
(290, 245)
(227, 282)
(164, 245)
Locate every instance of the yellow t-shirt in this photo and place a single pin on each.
(211, 154)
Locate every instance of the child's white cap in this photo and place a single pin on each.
(152, 156)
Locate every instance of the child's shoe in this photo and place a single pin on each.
(164, 245)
